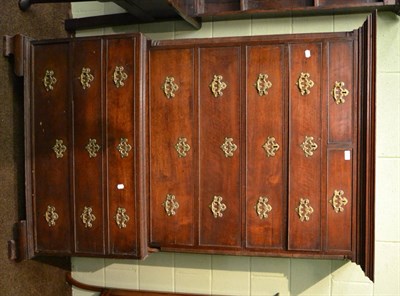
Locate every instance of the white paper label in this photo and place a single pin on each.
(307, 53)
(347, 155)
(120, 186)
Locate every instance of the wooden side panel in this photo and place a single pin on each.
(172, 181)
(340, 201)
(121, 146)
(266, 148)
(219, 123)
(88, 134)
(340, 85)
(305, 172)
(50, 124)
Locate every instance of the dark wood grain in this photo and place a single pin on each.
(304, 172)
(107, 113)
(170, 119)
(219, 119)
(341, 65)
(120, 108)
(88, 124)
(265, 117)
(51, 116)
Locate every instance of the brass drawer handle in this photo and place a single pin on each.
(123, 147)
(228, 147)
(86, 78)
(92, 148)
(304, 83)
(217, 86)
(271, 146)
(263, 84)
(263, 208)
(121, 218)
(309, 146)
(169, 87)
(170, 205)
(339, 92)
(51, 216)
(59, 148)
(88, 217)
(49, 80)
(338, 201)
(304, 210)
(217, 206)
(119, 76)
(182, 147)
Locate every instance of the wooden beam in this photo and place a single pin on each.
(25, 4)
(186, 12)
(134, 9)
(118, 19)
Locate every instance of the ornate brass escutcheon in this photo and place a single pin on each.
(217, 206)
(263, 207)
(182, 147)
(304, 210)
(338, 201)
(123, 147)
(119, 76)
(217, 86)
(309, 146)
(92, 148)
(263, 84)
(51, 216)
(339, 92)
(170, 205)
(86, 77)
(169, 87)
(59, 148)
(304, 83)
(271, 146)
(121, 218)
(87, 217)
(49, 80)
(228, 147)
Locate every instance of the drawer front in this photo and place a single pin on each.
(305, 146)
(339, 200)
(51, 148)
(266, 147)
(173, 146)
(121, 139)
(89, 147)
(220, 147)
(341, 92)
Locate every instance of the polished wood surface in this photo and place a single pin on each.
(219, 118)
(266, 175)
(89, 173)
(120, 105)
(50, 111)
(287, 115)
(342, 161)
(305, 171)
(171, 174)
(104, 113)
